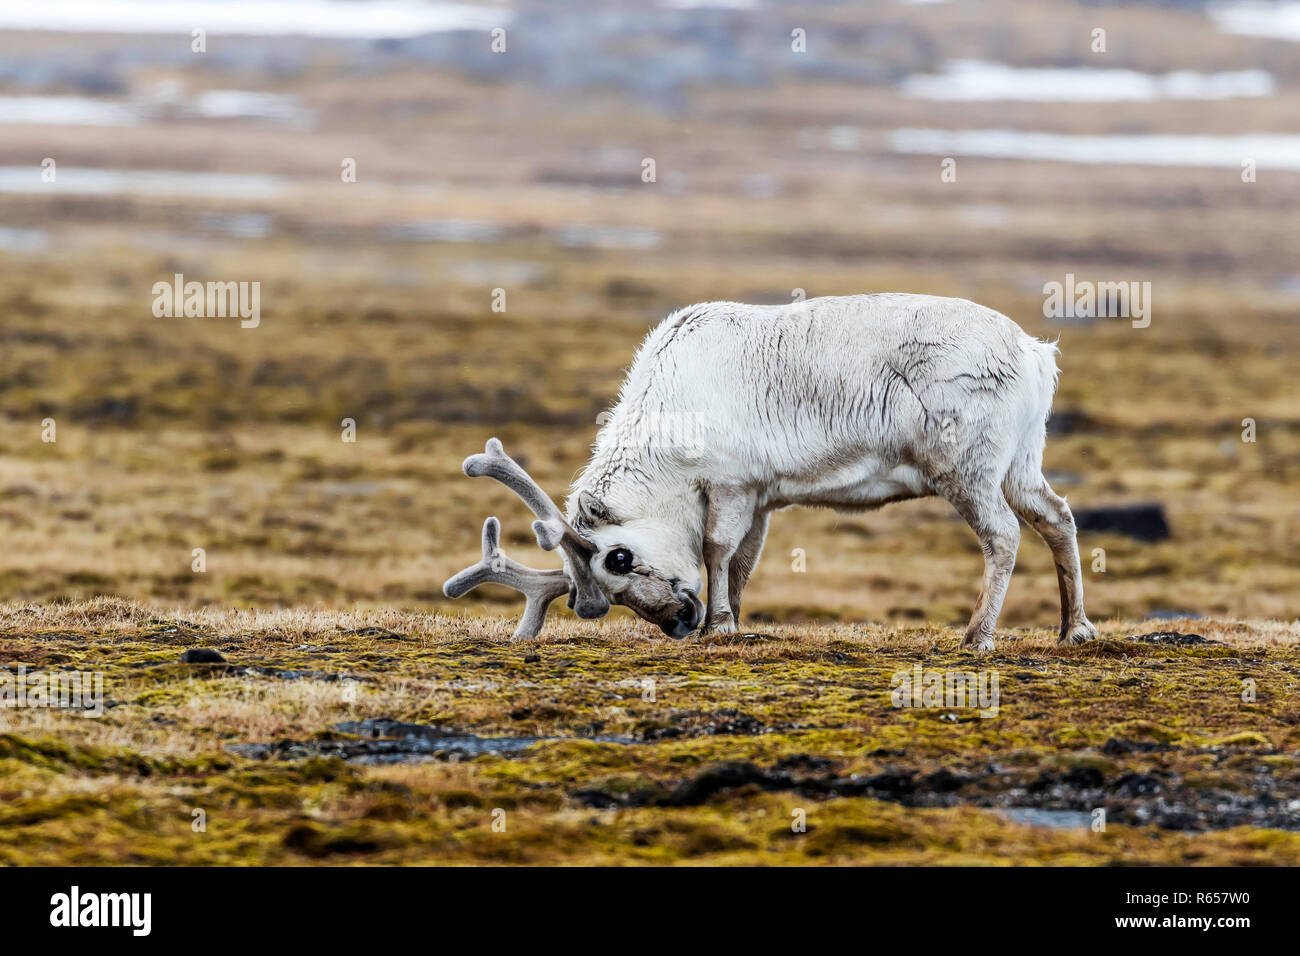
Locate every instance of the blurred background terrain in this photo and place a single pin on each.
(776, 169)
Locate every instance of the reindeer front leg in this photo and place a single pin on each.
(729, 516)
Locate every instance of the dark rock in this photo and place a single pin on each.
(532, 658)
(891, 782)
(202, 655)
(691, 723)
(732, 721)
(1173, 638)
(1044, 781)
(1064, 422)
(943, 781)
(1088, 778)
(595, 799)
(656, 732)
(727, 776)
(1137, 785)
(1177, 820)
(1115, 747)
(805, 763)
(1076, 778)
(1144, 522)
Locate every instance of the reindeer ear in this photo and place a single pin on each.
(593, 510)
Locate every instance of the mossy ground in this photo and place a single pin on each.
(125, 788)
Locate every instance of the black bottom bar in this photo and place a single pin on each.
(328, 906)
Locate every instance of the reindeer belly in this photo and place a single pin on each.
(864, 485)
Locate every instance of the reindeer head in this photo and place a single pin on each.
(642, 563)
(608, 563)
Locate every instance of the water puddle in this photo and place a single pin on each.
(505, 272)
(1268, 150)
(14, 239)
(66, 111)
(82, 181)
(445, 230)
(240, 225)
(246, 104)
(1278, 19)
(167, 105)
(375, 19)
(1158, 799)
(605, 237)
(1052, 819)
(386, 741)
(978, 81)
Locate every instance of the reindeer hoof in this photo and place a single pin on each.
(977, 643)
(721, 624)
(1079, 634)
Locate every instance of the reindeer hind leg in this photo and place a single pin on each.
(984, 508)
(1047, 513)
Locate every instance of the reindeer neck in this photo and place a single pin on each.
(642, 483)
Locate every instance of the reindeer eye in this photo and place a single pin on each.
(618, 561)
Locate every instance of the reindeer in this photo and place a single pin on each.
(846, 402)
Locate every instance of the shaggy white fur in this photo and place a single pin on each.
(731, 411)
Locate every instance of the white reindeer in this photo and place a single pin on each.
(733, 411)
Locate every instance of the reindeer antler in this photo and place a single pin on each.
(551, 528)
(539, 588)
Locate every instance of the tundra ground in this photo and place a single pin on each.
(177, 483)
(780, 746)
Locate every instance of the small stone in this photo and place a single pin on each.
(1142, 522)
(1173, 637)
(202, 655)
(532, 658)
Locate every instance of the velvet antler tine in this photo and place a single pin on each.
(536, 606)
(539, 588)
(551, 528)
